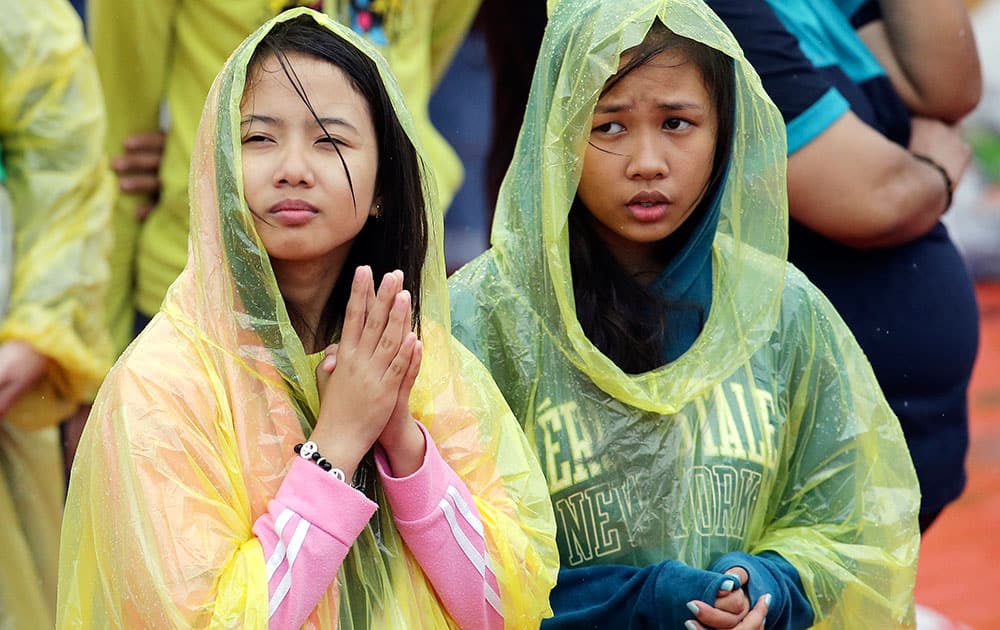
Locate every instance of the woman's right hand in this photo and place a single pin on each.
(375, 349)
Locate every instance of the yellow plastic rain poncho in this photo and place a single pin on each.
(194, 429)
(54, 213)
(769, 434)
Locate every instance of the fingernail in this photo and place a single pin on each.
(689, 625)
(767, 600)
(728, 586)
(693, 607)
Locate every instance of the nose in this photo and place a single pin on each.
(647, 158)
(294, 168)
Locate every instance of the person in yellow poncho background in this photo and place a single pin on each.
(220, 482)
(698, 407)
(157, 61)
(55, 204)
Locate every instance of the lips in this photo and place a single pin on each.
(293, 212)
(648, 206)
(648, 198)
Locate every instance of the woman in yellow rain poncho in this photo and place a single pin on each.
(194, 501)
(697, 406)
(55, 203)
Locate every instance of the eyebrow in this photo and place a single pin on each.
(614, 108)
(337, 122)
(272, 120)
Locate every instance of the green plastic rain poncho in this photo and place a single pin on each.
(193, 432)
(769, 434)
(54, 213)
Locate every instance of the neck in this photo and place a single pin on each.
(307, 288)
(642, 261)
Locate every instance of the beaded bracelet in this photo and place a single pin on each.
(310, 451)
(949, 185)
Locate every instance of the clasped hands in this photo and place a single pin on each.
(365, 380)
(732, 608)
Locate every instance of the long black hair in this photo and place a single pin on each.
(626, 321)
(397, 238)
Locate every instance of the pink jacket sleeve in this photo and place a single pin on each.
(306, 533)
(314, 519)
(440, 524)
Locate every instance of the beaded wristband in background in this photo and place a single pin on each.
(948, 183)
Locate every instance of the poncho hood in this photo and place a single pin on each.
(222, 227)
(583, 44)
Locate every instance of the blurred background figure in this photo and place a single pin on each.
(478, 107)
(871, 92)
(974, 220)
(55, 194)
(462, 109)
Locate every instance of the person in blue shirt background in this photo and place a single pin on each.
(870, 93)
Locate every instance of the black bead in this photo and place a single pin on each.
(326, 466)
(315, 456)
(298, 448)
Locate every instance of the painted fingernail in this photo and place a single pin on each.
(728, 585)
(689, 625)
(693, 607)
(767, 600)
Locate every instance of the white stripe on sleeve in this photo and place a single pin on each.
(479, 561)
(279, 550)
(286, 581)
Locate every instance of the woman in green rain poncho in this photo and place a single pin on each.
(55, 203)
(697, 406)
(236, 470)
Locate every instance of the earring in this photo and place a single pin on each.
(378, 211)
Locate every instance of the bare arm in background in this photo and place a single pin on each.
(856, 187)
(929, 52)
